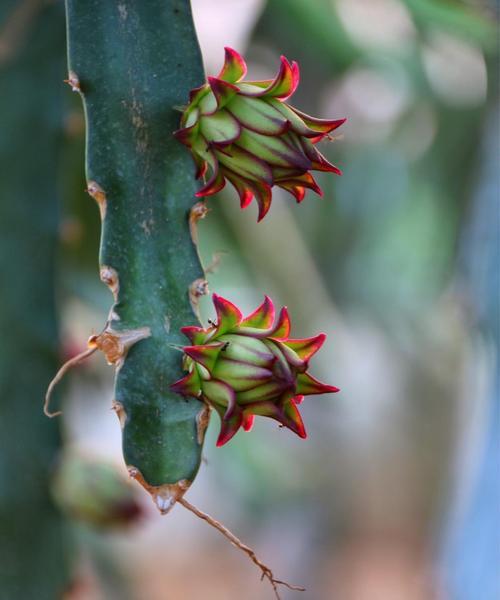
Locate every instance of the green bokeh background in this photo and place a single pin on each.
(393, 494)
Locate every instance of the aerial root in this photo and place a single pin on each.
(266, 571)
(72, 362)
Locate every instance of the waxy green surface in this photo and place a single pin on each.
(34, 547)
(135, 61)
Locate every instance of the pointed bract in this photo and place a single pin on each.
(282, 328)
(205, 355)
(307, 347)
(241, 186)
(228, 314)
(214, 185)
(195, 334)
(293, 420)
(262, 317)
(248, 421)
(188, 385)
(263, 195)
(234, 68)
(323, 126)
(221, 128)
(307, 385)
(222, 90)
(282, 86)
(229, 428)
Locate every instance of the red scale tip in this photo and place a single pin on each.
(234, 68)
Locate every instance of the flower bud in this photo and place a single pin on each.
(243, 367)
(94, 492)
(246, 133)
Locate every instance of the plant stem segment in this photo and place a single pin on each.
(133, 62)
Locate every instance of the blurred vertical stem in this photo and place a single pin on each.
(33, 556)
(133, 63)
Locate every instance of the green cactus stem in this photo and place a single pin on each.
(34, 549)
(133, 62)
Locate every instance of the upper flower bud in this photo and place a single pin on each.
(249, 366)
(247, 134)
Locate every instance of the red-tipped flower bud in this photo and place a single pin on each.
(244, 367)
(247, 134)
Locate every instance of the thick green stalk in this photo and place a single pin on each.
(33, 551)
(133, 62)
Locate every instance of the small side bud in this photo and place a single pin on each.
(94, 492)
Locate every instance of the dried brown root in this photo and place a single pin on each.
(72, 362)
(266, 571)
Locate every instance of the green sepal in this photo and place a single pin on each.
(208, 103)
(307, 347)
(234, 68)
(202, 148)
(229, 425)
(282, 329)
(307, 385)
(240, 376)
(222, 90)
(245, 164)
(266, 391)
(205, 355)
(291, 357)
(262, 317)
(189, 385)
(220, 395)
(258, 115)
(221, 127)
(274, 150)
(228, 315)
(246, 349)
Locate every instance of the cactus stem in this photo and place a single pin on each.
(135, 169)
(72, 362)
(266, 571)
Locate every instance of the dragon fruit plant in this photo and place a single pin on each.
(131, 74)
(243, 367)
(133, 63)
(246, 133)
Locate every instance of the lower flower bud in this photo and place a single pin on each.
(244, 367)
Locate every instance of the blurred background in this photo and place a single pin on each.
(395, 493)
